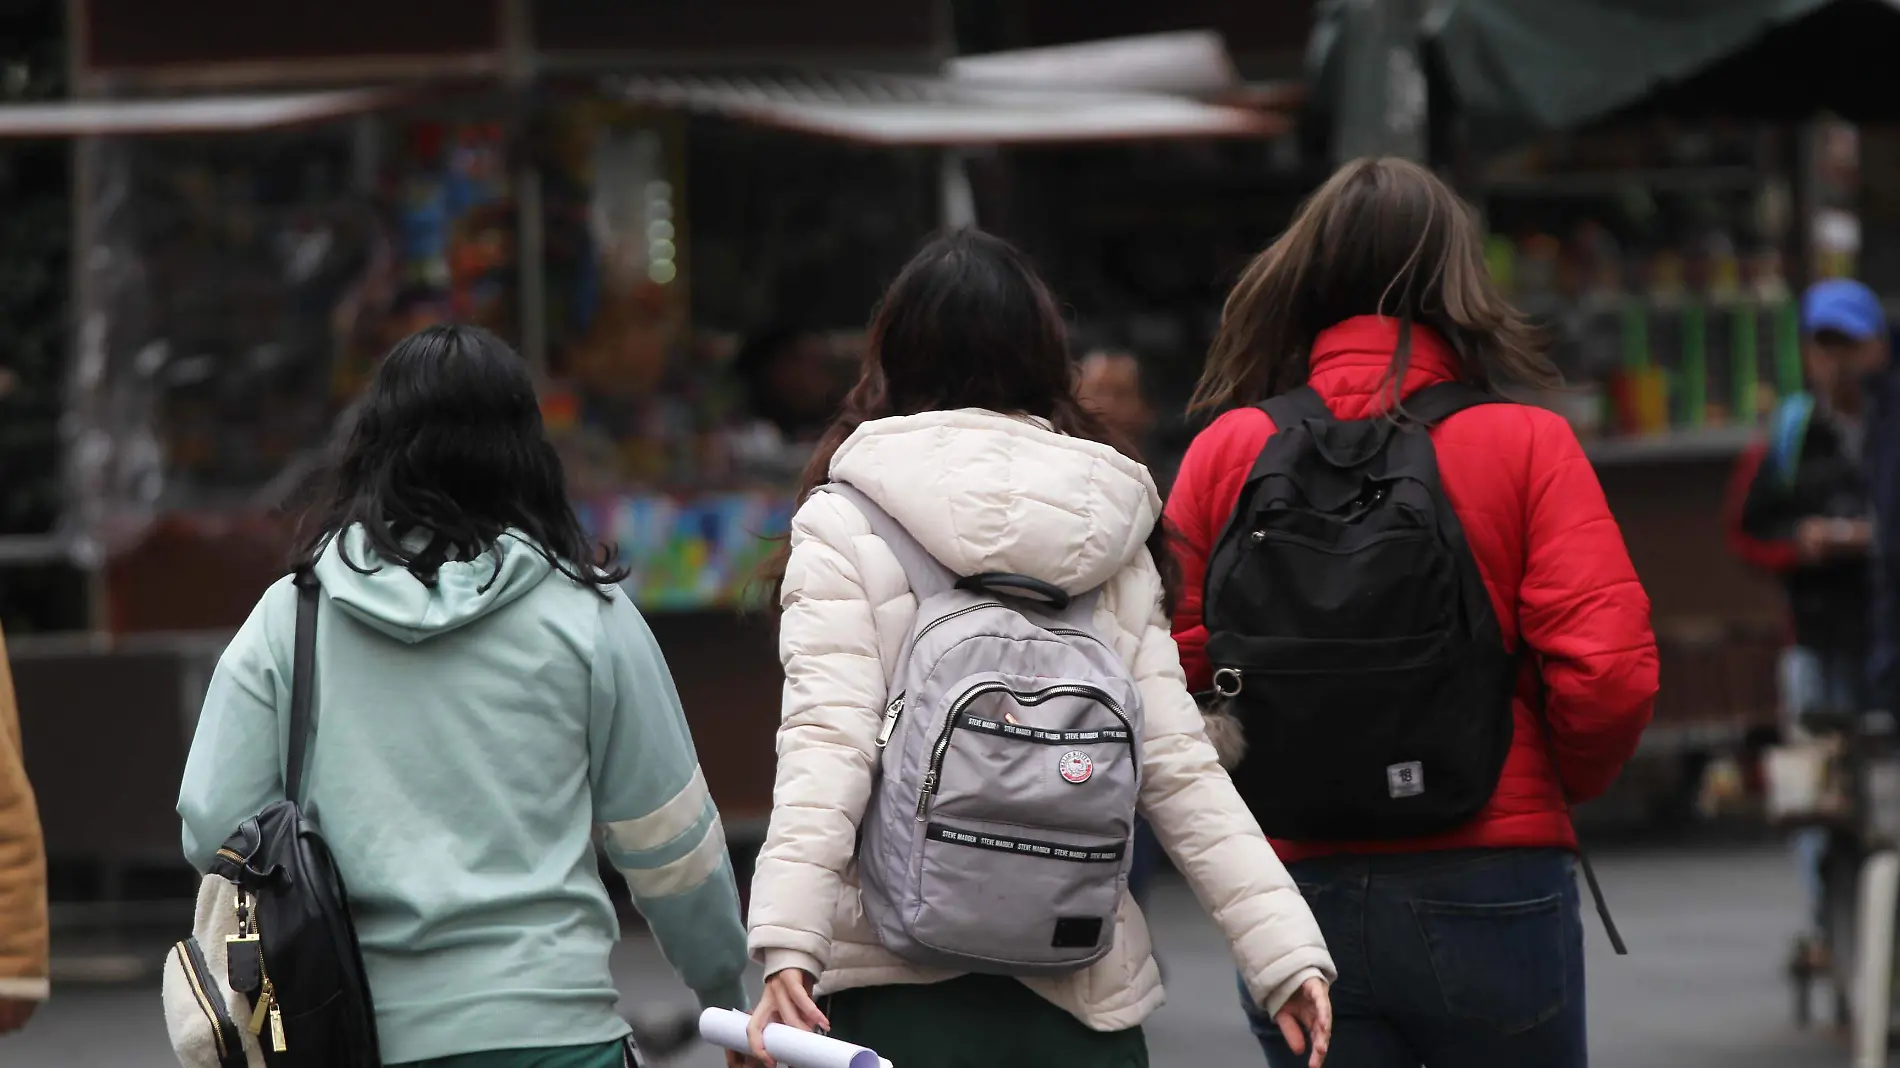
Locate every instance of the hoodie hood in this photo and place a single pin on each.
(398, 604)
(986, 492)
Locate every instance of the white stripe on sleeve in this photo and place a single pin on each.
(665, 823)
(686, 873)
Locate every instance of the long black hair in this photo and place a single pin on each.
(446, 453)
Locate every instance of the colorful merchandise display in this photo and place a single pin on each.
(1654, 258)
(692, 552)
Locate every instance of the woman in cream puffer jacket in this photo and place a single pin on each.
(988, 486)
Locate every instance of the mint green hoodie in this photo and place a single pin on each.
(470, 738)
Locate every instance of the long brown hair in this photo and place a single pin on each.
(1380, 237)
(967, 324)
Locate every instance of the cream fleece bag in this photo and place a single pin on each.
(1225, 731)
(209, 1023)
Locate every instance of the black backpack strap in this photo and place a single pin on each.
(303, 672)
(1294, 406)
(1435, 404)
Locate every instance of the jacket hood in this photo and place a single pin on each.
(397, 603)
(985, 492)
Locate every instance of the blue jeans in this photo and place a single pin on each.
(1814, 680)
(1461, 959)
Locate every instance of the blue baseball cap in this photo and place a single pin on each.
(1843, 306)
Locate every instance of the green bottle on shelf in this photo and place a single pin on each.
(1695, 366)
(1787, 349)
(1746, 356)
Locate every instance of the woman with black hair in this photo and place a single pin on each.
(486, 697)
(965, 430)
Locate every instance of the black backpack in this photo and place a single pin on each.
(295, 954)
(1349, 627)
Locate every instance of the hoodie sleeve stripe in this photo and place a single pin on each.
(26, 989)
(676, 817)
(683, 875)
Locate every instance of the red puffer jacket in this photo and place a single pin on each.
(1552, 558)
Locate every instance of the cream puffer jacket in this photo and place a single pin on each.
(984, 492)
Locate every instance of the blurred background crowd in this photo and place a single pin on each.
(219, 214)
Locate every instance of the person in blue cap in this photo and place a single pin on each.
(1799, 507)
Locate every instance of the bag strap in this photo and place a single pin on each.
(1435, 404)
(927, 576)
(1789, 434)
(303, 673)
(1296, 406)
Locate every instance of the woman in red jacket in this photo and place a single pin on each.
(1462, 947)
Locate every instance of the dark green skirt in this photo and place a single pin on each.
(608, 1055)
(975, 1021)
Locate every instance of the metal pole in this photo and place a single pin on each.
(82, 181)
(519, 60)
(1873, 985)
(959, 200)
(1382, 108)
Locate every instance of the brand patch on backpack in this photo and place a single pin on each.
(1405, 780)
(1076, 766)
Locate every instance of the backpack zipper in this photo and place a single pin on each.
(896, 708)
(934, 773)
(198, 977)
(266, 1007)
(891, 713)
(948, 616)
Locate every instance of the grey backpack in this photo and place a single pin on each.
(998, 835)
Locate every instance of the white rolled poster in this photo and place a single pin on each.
(792, 1048)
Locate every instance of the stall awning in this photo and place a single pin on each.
(1516, 67)
(885, 109)
(204, 114)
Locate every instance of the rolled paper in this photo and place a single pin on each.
(726, 1028)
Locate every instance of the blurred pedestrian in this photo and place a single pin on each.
(486, 694)
(23, 974)
(1110, 386)
(964, 428)
(790, 387)
(1431, 836)
(1799, 508)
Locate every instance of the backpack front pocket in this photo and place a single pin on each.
(1026, 811)
(1020, 898)
(1061, 749)
(203, 1032)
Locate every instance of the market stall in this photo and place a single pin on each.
(637, 235)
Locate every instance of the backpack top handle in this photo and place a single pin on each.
(1005, 584)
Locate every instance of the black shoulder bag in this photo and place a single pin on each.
(295, 954)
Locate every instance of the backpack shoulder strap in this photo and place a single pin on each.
(1789, 433)
(1295, 406)
(303, 672)
(1435, 404)
(927, 576)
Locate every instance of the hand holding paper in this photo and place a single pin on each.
(726, 1028)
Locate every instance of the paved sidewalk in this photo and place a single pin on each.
(1701, 989)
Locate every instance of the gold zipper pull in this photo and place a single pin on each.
(266, 1001)
(276, 1028)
